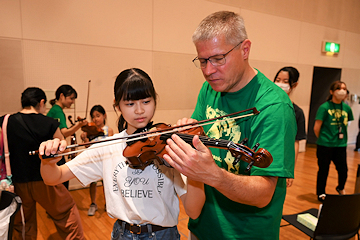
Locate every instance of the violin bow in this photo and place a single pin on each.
(138, 136)
(87, 100)
(87, 104)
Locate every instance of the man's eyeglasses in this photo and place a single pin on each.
(217, 60)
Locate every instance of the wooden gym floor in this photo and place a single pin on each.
(300, 196)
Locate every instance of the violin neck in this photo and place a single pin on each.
(209, 142)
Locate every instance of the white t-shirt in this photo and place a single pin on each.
(132, 195)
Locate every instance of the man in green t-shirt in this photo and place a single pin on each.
(239, 204)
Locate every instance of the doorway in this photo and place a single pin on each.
(322, 79)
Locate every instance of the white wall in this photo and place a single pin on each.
(49, 43)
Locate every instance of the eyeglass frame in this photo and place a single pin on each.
(208, 59)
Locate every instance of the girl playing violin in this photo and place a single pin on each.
(144, 201)
(65, 96)
(98, 117)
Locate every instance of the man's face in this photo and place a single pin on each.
(225, 78)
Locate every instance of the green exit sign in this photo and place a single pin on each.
(331, 47)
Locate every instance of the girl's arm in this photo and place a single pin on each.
(51, 173)
(317, 127)
(194, 199)
(111, 132)
(71, 130)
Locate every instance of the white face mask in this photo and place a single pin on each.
(284, 86)
(340, 94)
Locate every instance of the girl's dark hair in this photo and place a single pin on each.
(335, 86)
(32, 97)
(98, 108)
(293, 75)
(131, 85)
(66, 90)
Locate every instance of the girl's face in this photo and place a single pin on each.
(67, 101)
(283, 77)
(137, 113)
(282, 80)
(339, 94)
(98, 118)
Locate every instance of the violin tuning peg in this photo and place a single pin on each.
(256, 147)
(249, 166)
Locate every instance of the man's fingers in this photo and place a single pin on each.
(198, 144)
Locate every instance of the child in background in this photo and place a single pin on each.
(98, 116)
(65, 96)
(144, 201)
(287, 79)
(331, 122)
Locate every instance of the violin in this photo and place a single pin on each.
(92, 130)
(155, 141)
(143, 152)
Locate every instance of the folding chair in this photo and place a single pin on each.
(339, 218)
(10, 204)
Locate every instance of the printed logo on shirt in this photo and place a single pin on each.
(115, 173)
(227, 129)
(337, 114)
(136, 180)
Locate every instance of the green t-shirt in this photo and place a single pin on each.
(275, 129)
(332, 116)
(57, 113)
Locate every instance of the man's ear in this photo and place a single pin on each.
(245, 48)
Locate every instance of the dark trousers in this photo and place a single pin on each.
(325, 155)
(58, 203)
(357, 146)
(358, 138)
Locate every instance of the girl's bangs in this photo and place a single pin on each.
(137, 89)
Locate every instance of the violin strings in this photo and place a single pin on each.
(138, 136)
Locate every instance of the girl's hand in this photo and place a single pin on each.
(83, 123)
(84, 137)
(52, 147)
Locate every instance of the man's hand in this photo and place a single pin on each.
(197, 164)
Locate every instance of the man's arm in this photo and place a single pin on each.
(199, 165)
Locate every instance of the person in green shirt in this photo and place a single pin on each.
(330, 127)
(239, 204)
(65, 96)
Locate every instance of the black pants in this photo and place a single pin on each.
(358, 141)
(325, 155)
(358, 138)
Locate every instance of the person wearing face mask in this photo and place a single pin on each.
(330, 128)
(287, 79)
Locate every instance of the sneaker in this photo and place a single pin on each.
(321, 197)
(93, 208)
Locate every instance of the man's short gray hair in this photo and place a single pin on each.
(228, 24)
